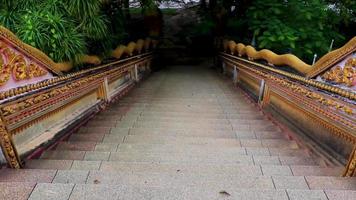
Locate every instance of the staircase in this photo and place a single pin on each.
(185, 133)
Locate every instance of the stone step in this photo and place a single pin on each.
(85, 142)
(149, 125)
(226, 159)
(202, 115)
(194, 168)
(243, 134)
(178, 179)
(225, 127)
(112, 147)
(177, 132)
(169, 148)
(94, 130)
(155, 119)
(237, 169)
(181, 151)
(200, 111)
(182, 120)
(102, 191)
(105, 191)
(173, 102)
(181, 157)
(280, 143)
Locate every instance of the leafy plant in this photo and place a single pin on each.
(51, 33)
(63, 29)
(300, 27)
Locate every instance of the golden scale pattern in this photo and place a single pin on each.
(345, 76)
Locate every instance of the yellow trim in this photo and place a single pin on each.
(271, 57)
(291, 60)
(330, 59)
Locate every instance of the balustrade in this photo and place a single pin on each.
(39, 104)
(319, 102)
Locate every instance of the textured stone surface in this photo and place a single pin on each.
(63, 155)
(316, 171)
(16, 190)
(306, 195)
(72, 176)
(86, 165)
(27, 175)
(331, 183)
(340, 194)
(276, 170)
(96, 156)
(49, 164)
(51, 191)
(290, 182)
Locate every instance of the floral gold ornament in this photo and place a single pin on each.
(342, 75)
(8, 147)
(350, 170)
(331, 59)
(16, 66)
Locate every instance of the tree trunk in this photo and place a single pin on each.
(127, 9)
(203, 4)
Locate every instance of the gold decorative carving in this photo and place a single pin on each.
(139, 45)
(310, 82)
(8, 147)
(33, 52)
(17, 66)
(5, 72)
(350, 169)
(130, 48)
(330, 59)
(272, 58)
(316, 116)
(306, 92)
(56, 80)
(342, 75)
(118, 52)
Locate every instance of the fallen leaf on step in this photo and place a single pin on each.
(223, 192)
(96, 181)
(178, 170)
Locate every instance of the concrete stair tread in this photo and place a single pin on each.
(187, 150)
(86, 143)
(105, 191)
(205, 140)
(179, 178)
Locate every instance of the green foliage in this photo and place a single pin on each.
(63, 29)
(8, 18)
(83, 9)
(204, 27)
(302, 27)
(51, 33)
